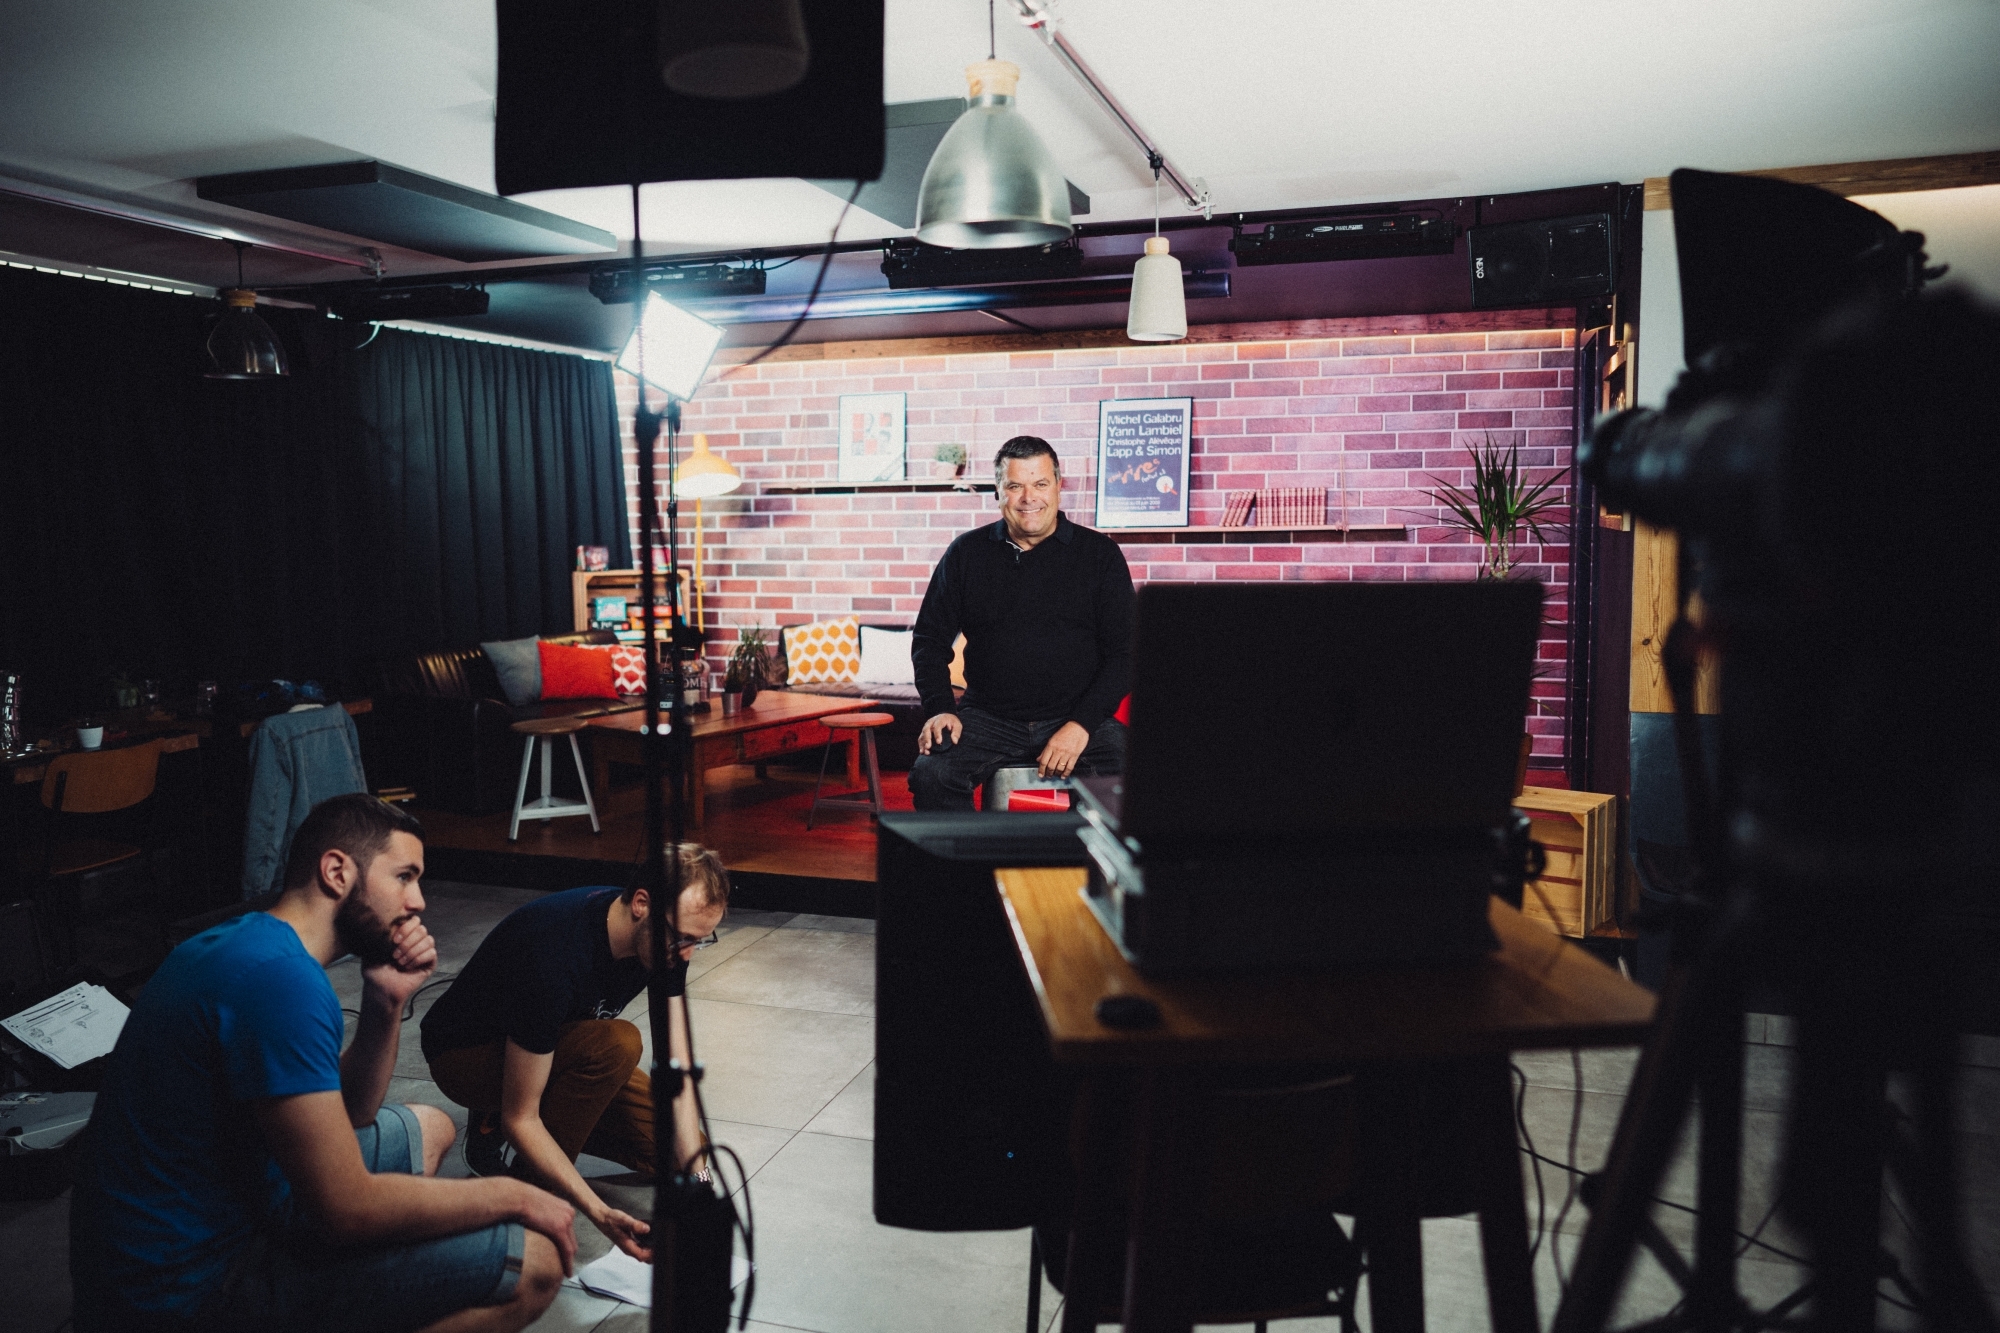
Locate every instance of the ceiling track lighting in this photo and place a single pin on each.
(241, 346)
(614, 285)
(732, 52)
(992, 184)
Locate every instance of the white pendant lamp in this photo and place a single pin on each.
(1158, 313)
(991, 184)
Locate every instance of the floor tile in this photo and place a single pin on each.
(846, 925)
(756, 1145)
(575, 1310)
(852, 1114)
(824, 1263)
(730, 941)
(776, 1067)
(828, 971)
(1608, 1070)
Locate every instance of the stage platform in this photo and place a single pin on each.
(757, 826)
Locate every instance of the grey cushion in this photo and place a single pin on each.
(518, 663)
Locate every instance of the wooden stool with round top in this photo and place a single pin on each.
(545, 730)
(863, 726)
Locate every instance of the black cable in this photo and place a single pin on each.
(1569, 1195)
(1534, 1158)
(812, 296)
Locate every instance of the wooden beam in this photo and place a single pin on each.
(1895, 176)
(1369, 326)
(1655, 601)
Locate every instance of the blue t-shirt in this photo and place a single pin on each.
(175, 1173)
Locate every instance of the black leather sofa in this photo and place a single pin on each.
(445, 726)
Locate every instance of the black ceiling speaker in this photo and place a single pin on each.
(581, 102)
(1560, 259)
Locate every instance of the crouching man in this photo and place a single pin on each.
(241, 1173)
(528, 1038)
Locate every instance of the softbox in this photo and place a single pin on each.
(581, 102)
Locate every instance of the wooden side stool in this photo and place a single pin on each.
(545, 730)
(863, 725)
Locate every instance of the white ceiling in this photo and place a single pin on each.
(1278, 104)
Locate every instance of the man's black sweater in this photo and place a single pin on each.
(1048, 631)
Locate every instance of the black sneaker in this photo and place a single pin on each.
(486, 1148)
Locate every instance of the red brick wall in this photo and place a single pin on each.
(1367, 407)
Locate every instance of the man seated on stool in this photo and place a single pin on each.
(1046, 610)
(528, 1038)
(241, 1173)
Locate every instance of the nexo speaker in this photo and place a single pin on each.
(1524, 263)
(970, 1113)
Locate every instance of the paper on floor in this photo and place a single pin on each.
(623, 1278)
(73, 1026)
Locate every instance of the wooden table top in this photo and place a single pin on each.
(175, 734)
(1536, 992)
(772, 709)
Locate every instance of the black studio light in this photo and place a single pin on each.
(1385, 236)
(241, 346)
(613, 284)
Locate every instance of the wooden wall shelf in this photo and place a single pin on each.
(869, 487)
(1256, 536)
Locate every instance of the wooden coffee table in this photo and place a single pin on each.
(779, 723)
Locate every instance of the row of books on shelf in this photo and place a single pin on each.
(1278, 507)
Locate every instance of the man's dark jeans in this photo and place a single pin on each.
(946, 781)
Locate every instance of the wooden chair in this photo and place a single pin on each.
(87, 782)
(1277, 1156)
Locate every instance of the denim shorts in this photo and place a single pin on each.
(291, 1278)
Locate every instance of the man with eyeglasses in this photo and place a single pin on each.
(529, 1039)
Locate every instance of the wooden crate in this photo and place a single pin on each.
(1578, 831)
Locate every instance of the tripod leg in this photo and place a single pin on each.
(1713, 1302)
(1834, 1164)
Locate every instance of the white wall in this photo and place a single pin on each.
(1961, 228)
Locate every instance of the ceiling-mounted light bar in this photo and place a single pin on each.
(1009, 296)
(613, 284)
(1035, 16)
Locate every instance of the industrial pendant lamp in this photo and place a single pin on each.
(700, 475)
(241, 346)
(733, 51)
(991, 184)
(1158, 313)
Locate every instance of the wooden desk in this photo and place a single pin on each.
(1535, 992)
(175, 734)
(778, 723)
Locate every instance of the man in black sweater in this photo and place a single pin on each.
(1046, 610)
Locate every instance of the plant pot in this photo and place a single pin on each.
(732, 702)
(125, 696)
(89, 738)
(750, 693)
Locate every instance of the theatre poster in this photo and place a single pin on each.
(871, 436)
(1142, 462)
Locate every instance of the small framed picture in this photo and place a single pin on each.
(1143, 445)
(872, 434)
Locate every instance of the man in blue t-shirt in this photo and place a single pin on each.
(529, 1038)
(240, 1172)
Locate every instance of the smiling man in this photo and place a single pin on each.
(240, 1172)
(1046, 610)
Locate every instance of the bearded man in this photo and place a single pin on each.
(241, 1172)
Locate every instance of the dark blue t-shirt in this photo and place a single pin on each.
(174, 1172)
(548, 963)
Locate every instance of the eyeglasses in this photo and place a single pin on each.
(694, 941)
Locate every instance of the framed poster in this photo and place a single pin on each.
(1142, 462)
(871, 436)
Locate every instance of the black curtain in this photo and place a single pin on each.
(416, 492)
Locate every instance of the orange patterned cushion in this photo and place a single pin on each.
(628, 668)
(824, 651)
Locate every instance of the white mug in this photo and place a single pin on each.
(90, 737)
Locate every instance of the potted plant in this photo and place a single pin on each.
(746, 666)
(1501, 507)
(124, 690)
(951, 460)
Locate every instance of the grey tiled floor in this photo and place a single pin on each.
(783, 1008)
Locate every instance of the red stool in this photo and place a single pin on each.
(863, 725)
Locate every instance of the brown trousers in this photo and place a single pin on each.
(597, 1100)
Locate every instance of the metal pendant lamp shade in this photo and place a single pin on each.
(704, 474)
(241, 346)
(731, 50)
(991, 184)
(1158, 313)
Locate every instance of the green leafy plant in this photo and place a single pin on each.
(1501, 507)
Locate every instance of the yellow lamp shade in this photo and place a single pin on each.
(702, 473)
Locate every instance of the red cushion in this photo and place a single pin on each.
(1124, 713)
(577, 671)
